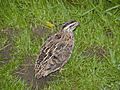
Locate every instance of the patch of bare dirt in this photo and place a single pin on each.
(6, 46)
(26, 73)
(97, 51)
(5, 54)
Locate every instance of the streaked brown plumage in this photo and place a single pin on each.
(56, 50)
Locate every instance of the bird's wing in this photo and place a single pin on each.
(49, 45)
(59, 58)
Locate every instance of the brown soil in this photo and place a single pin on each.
(7, 46)
(26, 73)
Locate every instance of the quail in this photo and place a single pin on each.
(56, 50)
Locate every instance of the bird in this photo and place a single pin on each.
(56, 50)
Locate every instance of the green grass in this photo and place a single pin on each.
(95, 16)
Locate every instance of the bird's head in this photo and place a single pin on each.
(70, 26)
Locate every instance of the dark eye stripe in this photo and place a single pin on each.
(67, 23)
(72, 25)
